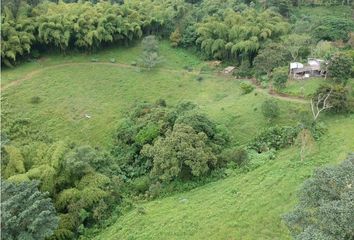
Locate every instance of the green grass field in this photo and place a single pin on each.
(303, 88)
(72, 86)
(242, 206)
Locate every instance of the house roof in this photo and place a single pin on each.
(295, 65)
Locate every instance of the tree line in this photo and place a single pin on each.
(80, 25)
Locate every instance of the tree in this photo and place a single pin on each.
(338, 98)
(150, 55)
(320, 103)
(280, 77)
(272, 56)
(325, 207)
(239, 35)
(270, 109)
(294, 43)
(14, 162)
(150, 44)
(324, 50)
(149, 60)
(332, 28)
(339, 68)
(182, 153)
(17, 36)
(175, 38)
(26, 213)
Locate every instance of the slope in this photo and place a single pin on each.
(242, 206)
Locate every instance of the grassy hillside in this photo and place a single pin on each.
(72, 86)
(243, 206)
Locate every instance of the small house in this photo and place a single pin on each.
(313, 68)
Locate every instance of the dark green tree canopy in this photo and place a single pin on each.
(340, 67)
(26, 213)
(326, 203)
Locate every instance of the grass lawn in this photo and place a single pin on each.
(303, 88)
(71, 86)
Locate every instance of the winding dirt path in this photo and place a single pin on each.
(33, 73)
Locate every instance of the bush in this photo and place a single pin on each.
(325, 207)
(275, 137)
(340, 67)
(246, 88)
(270, 109)
(339, 98)
(175, 38)
(199, 78)
(238, 156)
(280, 77)
(243, 71)
(141, 184)
(35, 100)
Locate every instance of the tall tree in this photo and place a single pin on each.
(325, 207)
(26, 213)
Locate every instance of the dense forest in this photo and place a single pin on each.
(59, 188)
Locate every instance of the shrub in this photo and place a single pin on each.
(270, 109)
(175, 38)
(274, 137)
(340, 67)
(141, 184)
(238, 156)
(35, 100)
(246, 88)
(243, 71)
(339, 98)
(280, 77)
(325, 207)
(199, 78)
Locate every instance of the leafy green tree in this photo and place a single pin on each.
(17, 36)
(339, 68)
(182, 153)
(150, 44)
(332, 28)
(175, 38)
(325, 207)
(324, 50)
(338, 100)
(149, 60)
(150, 56)
(280, 77)
(272, 56)
(270, 109)
(294, 43)
(26, 213)
(237, 36)
(13, 162)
